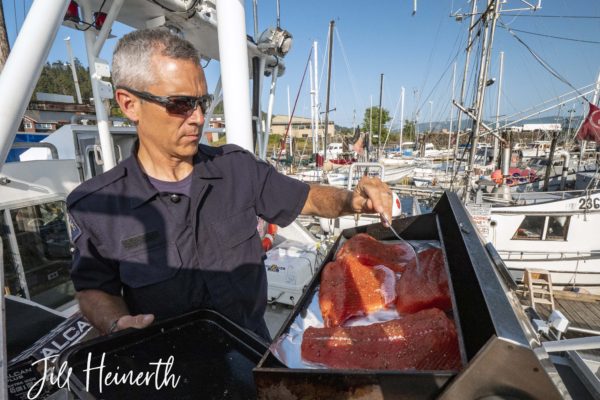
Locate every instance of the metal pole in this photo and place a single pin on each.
(463, 87)
(401, 118)
(331, 24)
(73, 70)
(290, 133)
(24, 66)
(233, 50)
(370, 127)
(380, 115)
(495, 155)
(479, 99)
(312, 110)
(430, 116)
(265, 140)
(278, 15)
(106, 142)
(316, 76)
(255, 16)
(451, 114)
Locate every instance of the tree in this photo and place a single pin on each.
(4, 47)
(371, 119)
(408, 132)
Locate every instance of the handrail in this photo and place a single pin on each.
(544, 196)
(355, 165)
(27, 145)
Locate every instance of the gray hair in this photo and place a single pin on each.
(133, 55)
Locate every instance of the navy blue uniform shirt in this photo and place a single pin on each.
(167, 255)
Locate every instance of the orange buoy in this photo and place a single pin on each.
(267, 242)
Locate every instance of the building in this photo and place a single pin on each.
(48, 116)
(301, 127)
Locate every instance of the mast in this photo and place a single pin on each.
(401, 118)
(316, 95)
(491, 14)
(331, 24)
(312, 109)
(380, 115)
(451, 113)
(370, 128)
(495, 159)
(73, 70)
(463, 87)
(4, 46)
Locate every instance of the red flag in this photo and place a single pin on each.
(590, 129)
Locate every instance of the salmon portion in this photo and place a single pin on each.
(370, 251)
(426, 340)
(424, 285)
(350, 288)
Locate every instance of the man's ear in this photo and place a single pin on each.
(129, 104)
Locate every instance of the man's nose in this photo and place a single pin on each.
(197, 116)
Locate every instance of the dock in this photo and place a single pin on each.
(582, 310)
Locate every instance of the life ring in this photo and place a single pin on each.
(269, 237)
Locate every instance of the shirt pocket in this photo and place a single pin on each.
(151, 266)
(238, 240)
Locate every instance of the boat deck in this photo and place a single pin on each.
(582, 310)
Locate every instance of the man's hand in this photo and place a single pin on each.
(108, 313)
(139, 321)
(371, 195)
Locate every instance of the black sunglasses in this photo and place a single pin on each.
(175, 104)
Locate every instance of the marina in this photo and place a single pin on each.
(493, 241)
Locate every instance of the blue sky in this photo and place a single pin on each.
(411, 51)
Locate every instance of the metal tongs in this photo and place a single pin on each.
(389, 224)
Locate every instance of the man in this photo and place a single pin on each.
(173, 228)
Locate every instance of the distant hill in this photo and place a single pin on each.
(466, 123)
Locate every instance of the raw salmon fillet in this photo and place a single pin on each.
(426, 340)
(350, 288)
(424, 285)
(370, 251)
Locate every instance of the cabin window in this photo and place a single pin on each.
(557, 228)
(44, 246)
(532, 227)
(536, 227)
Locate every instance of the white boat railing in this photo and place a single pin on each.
(527, 255)
(522, 198)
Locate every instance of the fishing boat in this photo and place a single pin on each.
(493, 327)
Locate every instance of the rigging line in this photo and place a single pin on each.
(556, 37)
(350, 75)
(433, 48)
(541, 61)
(561, 16)
(287, 130)
(419, 107)
(542, 46)
(324, 57)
